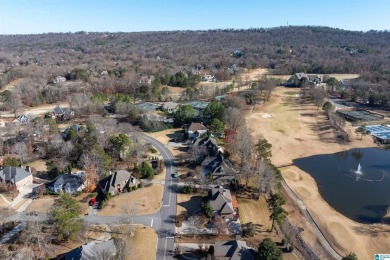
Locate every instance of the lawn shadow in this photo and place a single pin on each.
(193, 205)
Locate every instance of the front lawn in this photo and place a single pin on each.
(144, 201)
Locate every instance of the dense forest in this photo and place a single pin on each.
(125, 62)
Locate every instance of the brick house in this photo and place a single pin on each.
(16, 176)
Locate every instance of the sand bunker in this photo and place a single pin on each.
(266, 115)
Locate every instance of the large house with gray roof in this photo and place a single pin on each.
(16, 176)
(233, 250)
(93, 250)
(170, 107)
(221, 201)
(117, 182)
(214, 163)
(67, 183)
(195, 130)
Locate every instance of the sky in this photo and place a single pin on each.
(42, 16)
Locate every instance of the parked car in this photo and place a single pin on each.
(92, 202)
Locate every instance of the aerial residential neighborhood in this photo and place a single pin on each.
(190, 130)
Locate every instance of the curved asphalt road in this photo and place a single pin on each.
(164, 220)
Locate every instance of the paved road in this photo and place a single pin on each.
(167, 214)
(320, 236)
(163, 221)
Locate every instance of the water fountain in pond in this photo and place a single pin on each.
(359, 170)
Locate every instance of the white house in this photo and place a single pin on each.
(195, 130)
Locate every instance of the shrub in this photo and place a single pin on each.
(284, 242)
(153, 150)
(78, 193)
(10, 161)
(291, 249)
(249, 230)
(146, 170)
(187, 189)
(207, 209)
(140, 185)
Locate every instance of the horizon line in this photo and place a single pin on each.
(198, 30)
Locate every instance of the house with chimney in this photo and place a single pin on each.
(118, 182)
(221, 201)
(16, 176)
(195, 130)
(67, 183)
(62, 113)
(214, 163)
(170, 107)
(234, 250)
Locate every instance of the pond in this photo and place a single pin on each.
(361, 193)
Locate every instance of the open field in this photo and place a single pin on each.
(283, 118)
(315, 137)
(144, 201)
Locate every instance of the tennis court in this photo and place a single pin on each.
(371, 129)
(359, 115)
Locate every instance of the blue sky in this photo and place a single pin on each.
(38, 16)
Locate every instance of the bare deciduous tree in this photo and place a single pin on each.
(21, 150)
(234, 118)
(265, 177)
(14, 103)
(198, 153)
(243, 145)
(194, 224)
(220, 225)
(128, 214)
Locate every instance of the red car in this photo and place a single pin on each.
(92, 202)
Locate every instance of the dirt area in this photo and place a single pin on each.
(19, 204)
(10, 85)
(337, 76)
(189, 203)
(38, 111)
(144, 201)
(255, 74)
(308, 136)
(43, 205)
(140, 246)
(3, 203)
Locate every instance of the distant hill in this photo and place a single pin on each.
(285, 49)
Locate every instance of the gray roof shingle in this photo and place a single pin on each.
(233, 250)
(13, 174)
